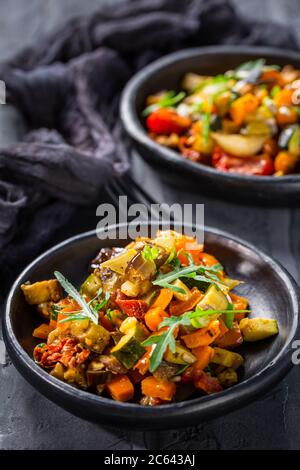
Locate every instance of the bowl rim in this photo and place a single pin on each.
(132, 121)
(245, 391)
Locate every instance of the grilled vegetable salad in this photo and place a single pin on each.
(153, 322)
(245, 121)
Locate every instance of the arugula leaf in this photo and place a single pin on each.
(196, 272)
(150, 253)
(166, 339)
(87, 311)
(168, 100)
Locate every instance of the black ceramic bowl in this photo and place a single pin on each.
(271, 290)
(167, 73)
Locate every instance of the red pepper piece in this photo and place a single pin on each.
(167, 121)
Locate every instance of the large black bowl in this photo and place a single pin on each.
(271, 290)
(167, 73)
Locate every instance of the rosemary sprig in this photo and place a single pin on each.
(86, 310)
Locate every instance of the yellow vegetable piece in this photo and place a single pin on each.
(255, 329)
(239, 145)
(119, 263)
(43, 291)
(214, 299)
(227, 358)
(181, 296)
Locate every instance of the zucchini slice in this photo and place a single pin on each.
(129, 349)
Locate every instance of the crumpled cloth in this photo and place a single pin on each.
(67, 86)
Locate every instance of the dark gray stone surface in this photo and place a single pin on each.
(30, 421)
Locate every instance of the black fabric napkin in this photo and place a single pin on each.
(68, 85)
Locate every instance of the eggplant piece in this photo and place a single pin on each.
(43, 291)
(76, 376)
(104, 255)
(166, 371)
(112, 364)
(151, 401)
(97, 377)
(140, 271)
(184, 391)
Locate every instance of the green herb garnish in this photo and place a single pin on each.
(150, 253)
(103, 302)
(201, 273)
(86, 312)
(55, 311)
(206, 126)
(274, 91)
(168, 100)
(250, 71)
(166, 339)
(109, 314)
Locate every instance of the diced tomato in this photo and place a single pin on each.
(67, 351)
(133, 308)
(259, 165)
(208, 384)
(167, 121)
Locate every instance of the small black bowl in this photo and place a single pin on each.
(167, 73)
(271, 290)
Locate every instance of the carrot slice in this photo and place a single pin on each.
(203, 336)
(284, 97)
(239, 303)
(142, 366)
(208, 260)
(242, 106)
(204, 354)
(223, 327)
(120, 388)
(177, 308)
(151, 387)
(154, 317)
(163, 299)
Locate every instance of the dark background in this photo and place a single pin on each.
(27, 419)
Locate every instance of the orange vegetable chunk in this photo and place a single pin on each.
(204, 354)
(163, 299)
(177, 308)
(120, 388)
(242, 106)
(154, 317)
(42, 331)
(151, 387)
(203, 336)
